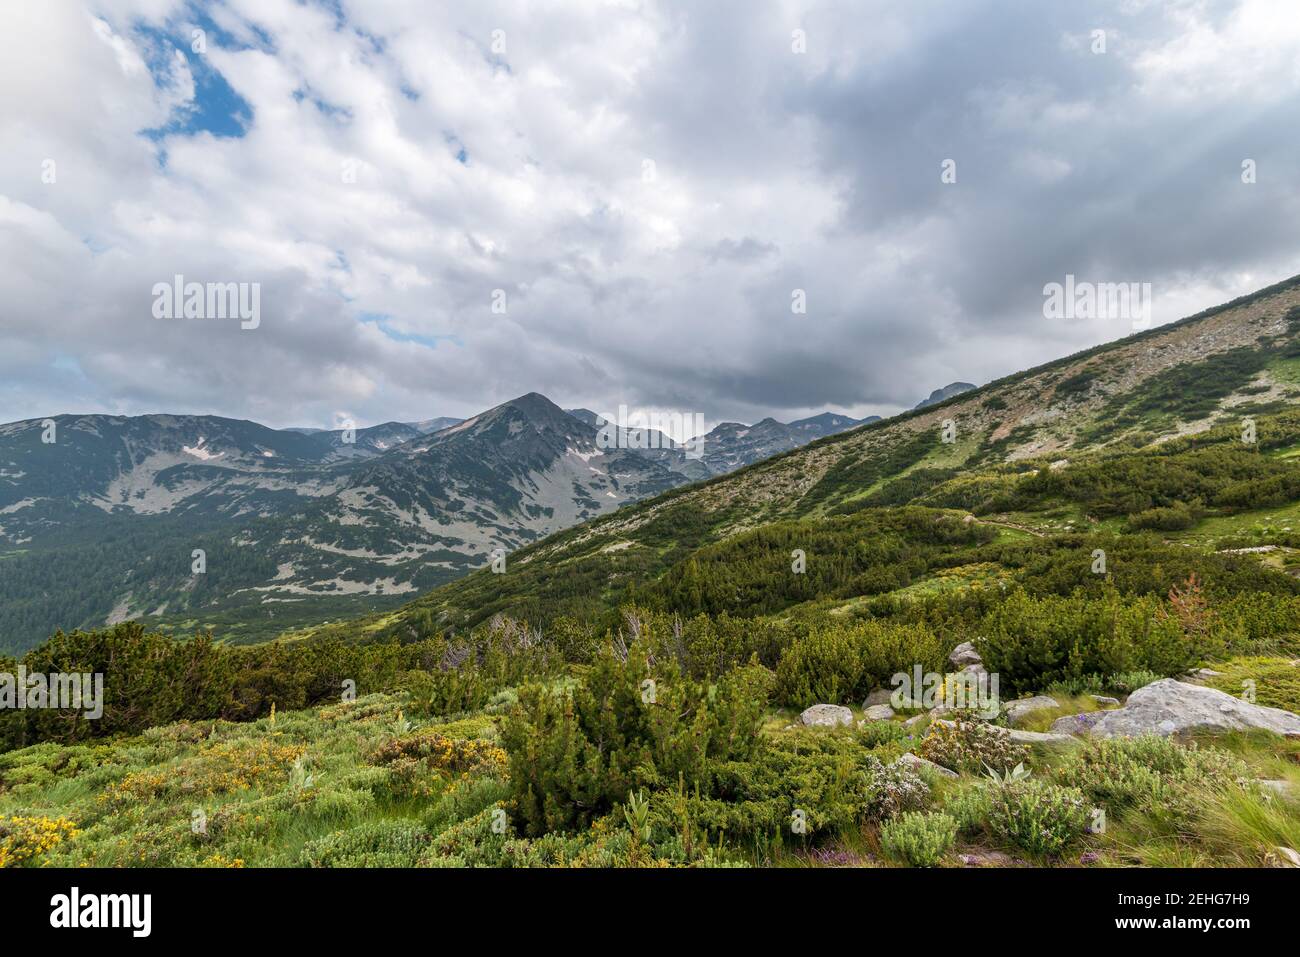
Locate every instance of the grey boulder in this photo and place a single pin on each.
(826, 716)
(879, 696)
(1018, 709)
(1168, 707)
(921, 764)
(1076, 723)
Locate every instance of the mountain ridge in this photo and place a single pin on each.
(295, 525)
(1238, 355)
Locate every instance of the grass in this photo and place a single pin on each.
(1258, 525)
(1041, 719)
(133, 801)
(136, 801)
(1276, 681)
(1285, 370)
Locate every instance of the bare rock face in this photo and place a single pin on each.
(921, 764)
(826, 716)
(1168, 707)
(965, 654)
(1040, 737)
(1018, 709)
(879, 696)
(1077, 723)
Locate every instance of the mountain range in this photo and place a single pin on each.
(295, 525)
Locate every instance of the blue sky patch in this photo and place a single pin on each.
(216, 107)
(382, 321)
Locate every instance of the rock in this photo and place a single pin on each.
(1018, 709)
(921, 764)
(1076, 723)
(1168, 707)
(826, 716)
(965, 654)
(1286, 857)
(879, 696)
(913, 721)
(1019, 737)
(1041, 737)
(878, 712)
(976, 670)
(1202, 674)
(1103, 700)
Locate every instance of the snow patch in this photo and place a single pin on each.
(199, 452)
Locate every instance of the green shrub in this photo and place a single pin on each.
(825, 667)
(971, 746)
(1126, 682)
(373, 844)
(873, 734)
(1073, 687)
(1038, 816)
(1173, 518)
(1153, 774)
(969, 807)
(1032, 642)
(842, 662)
(574, 755)
(919, 839)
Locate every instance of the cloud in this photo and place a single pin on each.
(613, 204)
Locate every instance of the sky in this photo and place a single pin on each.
(442, 206)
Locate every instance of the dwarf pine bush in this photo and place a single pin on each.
(843, 662)
(1033, 642)
(574, 754)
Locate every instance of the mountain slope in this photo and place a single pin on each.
(1235, 360)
